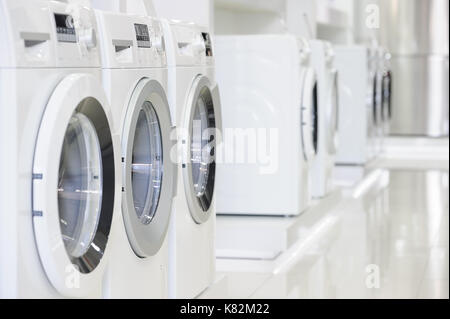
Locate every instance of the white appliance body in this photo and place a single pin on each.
(328, 114)
(195, 106)
(356, 145)
(267, 102)
(59, 188)
(135, 77)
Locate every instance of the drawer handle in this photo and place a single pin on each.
(34, 38)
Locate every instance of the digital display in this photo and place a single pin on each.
(208, 44)
(142, 36)
(65, 28)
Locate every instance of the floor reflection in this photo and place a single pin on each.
(390, 241)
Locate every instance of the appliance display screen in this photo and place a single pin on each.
(65, 28)
(208, 44)
(142, 36)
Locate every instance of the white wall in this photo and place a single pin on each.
(128, 6)
(265, 16)
(300, 17)
(237, 22)
(198, 11)
(364, 34)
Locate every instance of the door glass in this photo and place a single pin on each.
(80, 185)
(386, 96)
(200, 156)
(147, 164)
(389, 88)
(375, 100)
(315, 118)
(203, 148)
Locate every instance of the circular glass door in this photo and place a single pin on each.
(387, 112)
(147, 164)
(80, 185)
(202, 149)
(374, 100)
(309, 115)
(86, 185)
(199, 160)
(389, 95)
(315, 118)
(148, 174)
(384, 106)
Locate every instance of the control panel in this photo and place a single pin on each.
(193, 44)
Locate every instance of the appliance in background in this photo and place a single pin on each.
(135, 78)
(415, 32)
(195, 107)
(62, 154)
(328, 118)
(269, 98)
(356, 145)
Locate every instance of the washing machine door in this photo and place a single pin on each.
(387, 111)
(74, 186)
(202, 123)
(379, 100)
(149, 174)
(309, 115)
(375, 100)
(389, 94)
(333, 114)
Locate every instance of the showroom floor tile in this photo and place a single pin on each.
(385, 239)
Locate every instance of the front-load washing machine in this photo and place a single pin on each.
(61, 189)
(195, 105)
(135, 78)
(356, 145)
(328, 118)
(269, 98)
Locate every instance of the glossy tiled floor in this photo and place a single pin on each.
(386, 237)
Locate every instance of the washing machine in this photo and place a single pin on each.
(269, 97)
(135, 77)
(62, 190)
(195, 105)
(328, 118)
(355, 101)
